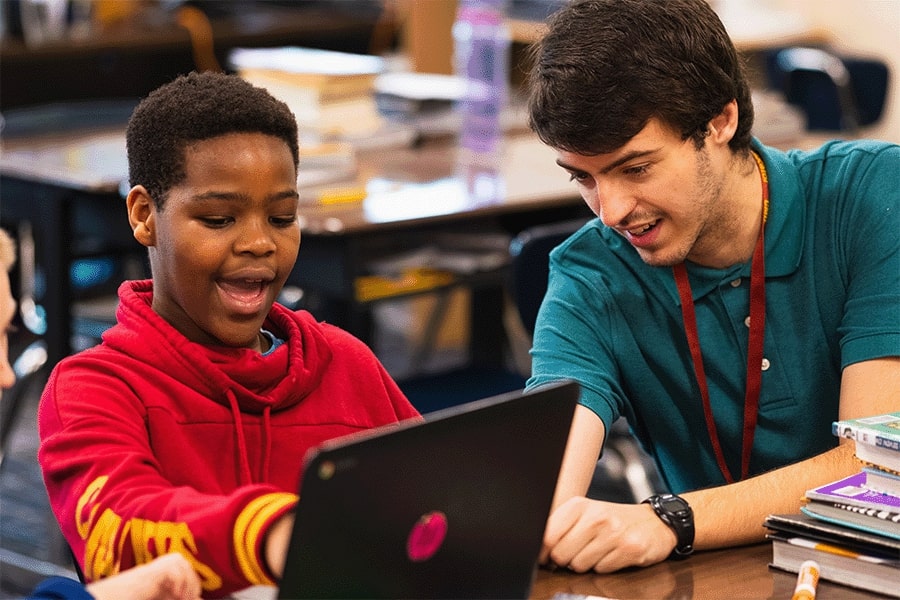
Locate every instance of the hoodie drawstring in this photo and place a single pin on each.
(244, 475)
(267, 441)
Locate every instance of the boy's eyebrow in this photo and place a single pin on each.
(628, 156)
(236, 196)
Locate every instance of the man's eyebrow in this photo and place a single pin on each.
(629, 156)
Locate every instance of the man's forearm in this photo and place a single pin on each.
(733, 514)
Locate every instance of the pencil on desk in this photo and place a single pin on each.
(341, 195)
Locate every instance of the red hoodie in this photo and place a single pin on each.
(151, 443)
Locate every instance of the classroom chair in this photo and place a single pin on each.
(836, 92)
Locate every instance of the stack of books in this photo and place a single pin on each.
(329, 92)
(851, 527)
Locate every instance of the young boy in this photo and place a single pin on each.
(185, 430)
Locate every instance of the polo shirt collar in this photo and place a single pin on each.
(786, 227)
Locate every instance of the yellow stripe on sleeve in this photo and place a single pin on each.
(247, 531)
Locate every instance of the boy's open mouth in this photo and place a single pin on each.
(244, 295)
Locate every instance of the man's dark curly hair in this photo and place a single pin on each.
(606, 67)
(193, 108)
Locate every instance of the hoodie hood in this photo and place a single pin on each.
(254, 383)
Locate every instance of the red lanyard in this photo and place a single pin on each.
(754, 345)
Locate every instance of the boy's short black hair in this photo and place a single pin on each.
(606, 67)
(193, 108)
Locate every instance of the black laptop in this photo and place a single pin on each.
(450, 507)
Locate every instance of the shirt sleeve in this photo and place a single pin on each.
(60, 588)
(574, 339)
(870, 223)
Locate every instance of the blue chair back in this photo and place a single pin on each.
(836, 93)
(530, 256)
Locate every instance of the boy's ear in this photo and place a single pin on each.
(141, 215)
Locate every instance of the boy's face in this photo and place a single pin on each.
(226, 239)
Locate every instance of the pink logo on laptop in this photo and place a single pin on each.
(426, 536)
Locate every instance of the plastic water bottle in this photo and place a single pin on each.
(481, 57)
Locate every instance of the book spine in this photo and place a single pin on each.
(867, 464)
(882, 480)
(882, 514)
(872, 434)
(889, 443)
(837, 551)
(873, 500)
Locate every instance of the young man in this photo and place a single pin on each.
(186, 429)
(169, 577)
(730, 301)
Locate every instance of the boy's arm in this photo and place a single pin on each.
(593, 535)
(276, 544)
(116, 508)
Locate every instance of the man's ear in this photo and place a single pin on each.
(723, 126)
(142, 215)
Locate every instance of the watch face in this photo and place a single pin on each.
(673, 504)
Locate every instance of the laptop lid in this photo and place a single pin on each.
(450, 507)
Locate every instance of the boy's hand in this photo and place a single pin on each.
(169, 577)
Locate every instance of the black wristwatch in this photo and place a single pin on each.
(675, 512)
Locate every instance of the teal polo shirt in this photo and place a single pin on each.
(614, 324)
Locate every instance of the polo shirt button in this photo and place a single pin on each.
(747, 321)
(736, 283)
(766, 364)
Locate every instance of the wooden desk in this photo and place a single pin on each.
(732, 573)
(58, 181)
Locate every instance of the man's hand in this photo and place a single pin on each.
(591, 535)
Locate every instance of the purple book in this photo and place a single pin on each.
(852, 490)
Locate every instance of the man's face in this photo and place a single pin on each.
(226, 239)
(7, 312)
(660, 193)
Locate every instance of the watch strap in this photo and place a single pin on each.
(675, 512)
